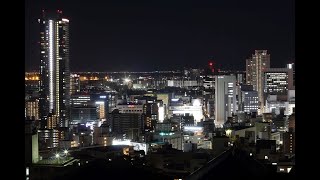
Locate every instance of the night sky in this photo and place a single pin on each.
(118, 35)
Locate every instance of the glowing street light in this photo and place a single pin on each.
(58, 157)
(65, 152)
(126, 80)
(228, 132)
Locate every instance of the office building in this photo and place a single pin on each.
(255, 67)
(52, 121)
(83, 115)
(74, 84)
(128, 124)
(48, 138)
(125, 106)
(32, 84)
(249, 101)
(54, 67)
(225, 98)
(208, 84)
(102, 135)
(32, 109)
(96, 102)
(276, 104)
(277, 81)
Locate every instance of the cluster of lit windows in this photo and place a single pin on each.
(133, 110)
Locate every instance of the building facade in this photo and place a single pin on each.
(255, 66)
(54, 67)
(32, 109)
(225, 98)
(277, 81)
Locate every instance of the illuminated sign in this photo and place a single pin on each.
(131, 106)
(103, 97)
(166, 134)
(192, 128)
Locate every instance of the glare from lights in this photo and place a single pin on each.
(121, 142)
(228, 132)
(99, 102)
(65, 20)
(57, 155)
(281, 169)
(65, 152)
(196, 102)
(126, 80)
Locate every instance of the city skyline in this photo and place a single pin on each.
(159, 90)
(163, 36)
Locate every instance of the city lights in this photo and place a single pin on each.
(121, 97)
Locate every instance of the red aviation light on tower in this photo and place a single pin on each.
(211, 66)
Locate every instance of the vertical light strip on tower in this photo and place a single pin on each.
(57, 110)
(51, 64)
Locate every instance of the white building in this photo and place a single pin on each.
(195, 110)
(182, 83)
(274, 105)
(225, 98)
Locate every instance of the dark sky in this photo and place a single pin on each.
(118, 35)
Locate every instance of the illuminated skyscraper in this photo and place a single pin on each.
(255, 66)
(54, 67)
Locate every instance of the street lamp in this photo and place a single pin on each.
(228, 132)
(58, 157)
(65, 153)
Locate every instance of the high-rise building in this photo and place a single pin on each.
(277, 81)
(54, 67)
(255, 66)
(225, 98)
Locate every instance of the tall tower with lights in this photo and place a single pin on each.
(255, 67)
(54, 68)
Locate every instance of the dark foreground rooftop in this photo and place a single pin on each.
(240, 165)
